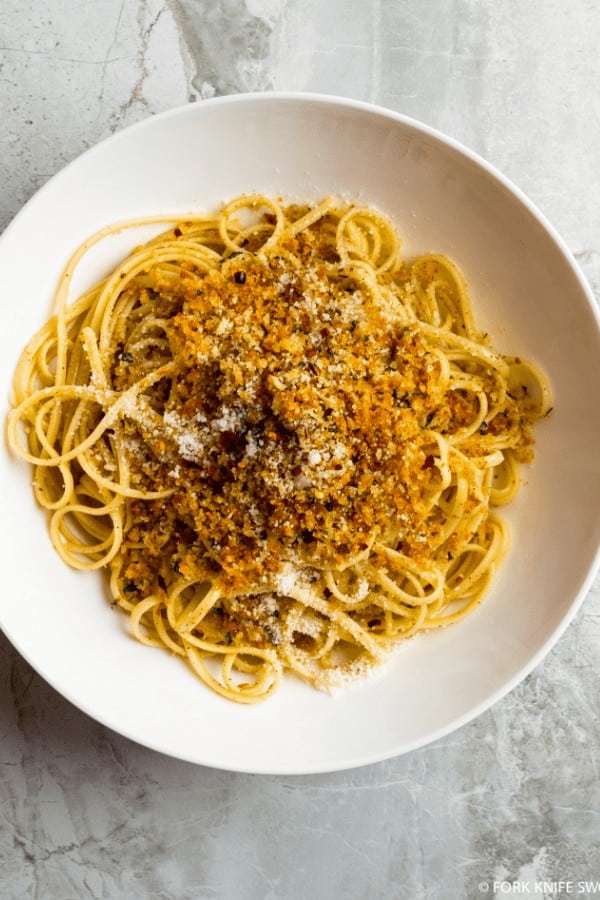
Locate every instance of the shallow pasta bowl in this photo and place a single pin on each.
(526, 292)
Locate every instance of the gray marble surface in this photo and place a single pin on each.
(513, 796)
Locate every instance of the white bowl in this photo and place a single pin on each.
(527, 292)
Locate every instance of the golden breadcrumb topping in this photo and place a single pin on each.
(296, 428)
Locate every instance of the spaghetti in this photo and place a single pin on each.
(283, 442)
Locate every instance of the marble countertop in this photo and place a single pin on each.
(512, 797)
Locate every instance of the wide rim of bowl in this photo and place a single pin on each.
(587, 579)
